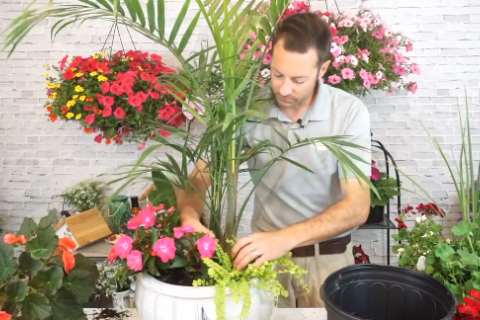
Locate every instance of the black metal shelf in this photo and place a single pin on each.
(387, 223)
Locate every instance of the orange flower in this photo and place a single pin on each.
(97, 111)
(87, 130)
(89, 99)
(22, 239)
(53, 117)
(66, 247)
(10, 238)
(49, 108)
(108, 142)
(5, 316)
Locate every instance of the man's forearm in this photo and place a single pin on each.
(191, 201)
(337, 219)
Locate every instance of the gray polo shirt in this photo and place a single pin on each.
(287, 194)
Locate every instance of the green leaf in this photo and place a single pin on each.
(139, 11)
(296, 164)
(8, 265)
(27, 228)
(164, 192)
(151, 15)
(179, 262)
(48, 220)
(28, 265)
(161, 18)
(44, 244)
(82, 278)
(444, 252)
(178, 22)
(152, 268)
(17, 290)
(463, 228)
(36, 307)
(48, 280)
(467, 258)
(65, 306)
(188, 33)
(228, 120)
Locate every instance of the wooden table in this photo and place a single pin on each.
(278, 314)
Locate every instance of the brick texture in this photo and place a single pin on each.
(38, 159)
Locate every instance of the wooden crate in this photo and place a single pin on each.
(84, 227)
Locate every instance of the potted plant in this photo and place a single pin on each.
(387, 188)
(47, 280)
(222, 95)
(118, 96)
(366, 54)
(85, 195)
(114, 284)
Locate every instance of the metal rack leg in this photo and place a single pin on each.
(388, 246)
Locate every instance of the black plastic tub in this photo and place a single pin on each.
(376, 215)
(377, 292)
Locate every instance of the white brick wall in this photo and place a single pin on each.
(38, 158)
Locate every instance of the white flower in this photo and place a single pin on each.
(354, 60)
(377, 22)
(379, 75)
(421, 263)
(325, 18)
(388, 33)
(265, 73)
(340, 59)
(419, 219)
(401, 250)
(448, 240)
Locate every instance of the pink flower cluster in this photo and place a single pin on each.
(164, 248)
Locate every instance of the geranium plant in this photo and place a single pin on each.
(48, 279)
(366, 53)
(175, 254)
(117, 97)
(387, 187)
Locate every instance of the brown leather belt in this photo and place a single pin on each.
(333, 246)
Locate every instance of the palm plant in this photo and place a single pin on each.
(214, 77)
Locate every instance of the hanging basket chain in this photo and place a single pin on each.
(116, 30)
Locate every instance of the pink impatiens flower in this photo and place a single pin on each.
(348, 73)
(180, 231)
(123, 247)
(334, 79)
(147, 217)
(206, 246)
(415, 69)
(165, 249)
(135, 260)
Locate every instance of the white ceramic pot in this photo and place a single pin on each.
(158, 300)
(121, 300)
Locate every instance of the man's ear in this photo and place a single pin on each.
(324, 68)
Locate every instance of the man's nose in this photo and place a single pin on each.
(286, 88)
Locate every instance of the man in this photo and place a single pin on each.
(308, 214)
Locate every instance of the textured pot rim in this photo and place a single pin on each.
(176, 290)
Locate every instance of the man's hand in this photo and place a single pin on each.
(262, 246)
(197, 226)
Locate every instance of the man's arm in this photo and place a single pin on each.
(343, 216)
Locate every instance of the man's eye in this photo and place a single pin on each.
(278, 75)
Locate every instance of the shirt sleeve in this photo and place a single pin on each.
(358, 132)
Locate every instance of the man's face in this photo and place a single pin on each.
(294, 76)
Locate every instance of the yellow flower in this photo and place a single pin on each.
(51, 97)
(141, 69)
(100, 70)
(104, 53)
(94, 73)
(78, 75)
(73, 69)
(82, 98)
(71, 103)
(102, 78)
(123, 59)
(46, 65)
(58, 85)
(54, 94)
(95, 56)
(70, 115)
(79, 89)
(75, 96)
(79, 116)
(47, 74)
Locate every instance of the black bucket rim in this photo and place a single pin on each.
(399, 270)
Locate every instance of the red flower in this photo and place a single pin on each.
(135, 100)
(155, 57)
(90, 118)
(88, 108)
(119, 113)
(65, 248)
(89, 65)
(375, 174)
(147, 77)
(142, 95)
(167, 112)
(69, 74)
(98, 138)
(401, 224)
(76, 62)
(127, 88)
(105, 87)
(165, 133)
(107, 112)
(155, 95)
(108, 101)
(63, 62)
(116, 89)
(5, 316)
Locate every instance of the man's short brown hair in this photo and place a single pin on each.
(302, 31)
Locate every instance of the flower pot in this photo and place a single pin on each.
(121, 300)
(376, 215)
(369, 291)
(157, 300)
